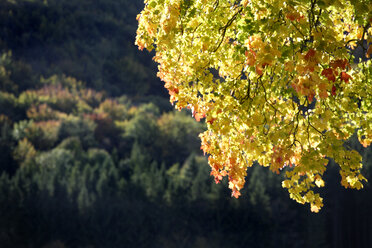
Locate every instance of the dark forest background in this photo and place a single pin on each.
(92, 154)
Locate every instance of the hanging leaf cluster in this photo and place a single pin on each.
(277, 82)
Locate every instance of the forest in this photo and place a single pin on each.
(92, 154)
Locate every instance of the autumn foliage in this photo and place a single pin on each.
(276, 81)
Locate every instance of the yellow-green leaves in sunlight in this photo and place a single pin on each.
(276, 82)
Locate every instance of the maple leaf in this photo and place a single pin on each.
(198, 116)
(235, 193)
(310, 97)
(345, 77)
(310, 54)
(315, 208)
(369, 51)
(333, 90)
(294, 16)
(173, 91)
(340, 63)
(217, 176)
(259, 70)
(329, 74)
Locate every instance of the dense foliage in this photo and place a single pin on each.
(275, 81)
(81, 167)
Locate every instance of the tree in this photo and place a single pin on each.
(276, 82)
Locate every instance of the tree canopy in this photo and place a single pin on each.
(278, 83)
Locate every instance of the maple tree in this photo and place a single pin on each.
(276, 82)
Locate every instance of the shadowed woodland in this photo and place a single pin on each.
(92, 154)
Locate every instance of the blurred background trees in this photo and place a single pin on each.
(92, 155)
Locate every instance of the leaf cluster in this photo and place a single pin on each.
(276, 82)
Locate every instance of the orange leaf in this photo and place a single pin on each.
(235, 193)
(310, 54)
(259, 70)
(328, 73)
(199, 116)
(369, 51)
(333, 90)
(310, 97)
(340, 63)
(323, 94)
(345, 77)
(173, 92)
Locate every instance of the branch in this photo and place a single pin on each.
(271, 105)
(298, 29)
(224, 28)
